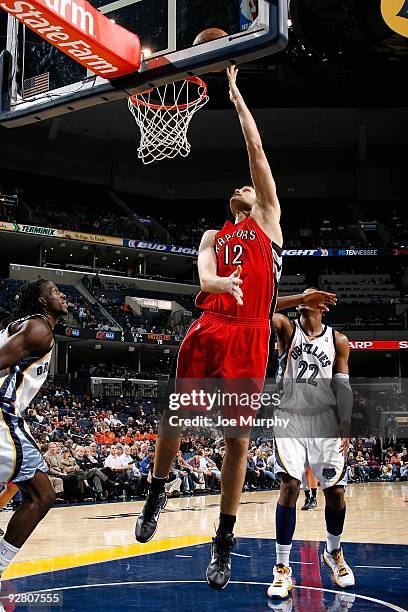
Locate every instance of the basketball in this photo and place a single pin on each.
(209, 35)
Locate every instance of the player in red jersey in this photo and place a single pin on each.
(239, 268)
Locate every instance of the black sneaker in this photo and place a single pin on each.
(306, 505)
(146, 524)
(219, 569)
(313, 503)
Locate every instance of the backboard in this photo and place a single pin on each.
(47, 83)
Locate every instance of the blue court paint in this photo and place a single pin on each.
(174, 580)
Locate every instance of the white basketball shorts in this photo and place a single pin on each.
(297, 448)
(20, 457)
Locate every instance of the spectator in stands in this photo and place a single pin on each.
(200, 469)
(56, 481)
(132, 471)
(144, 468)
(270, 462)
(252, 473)
(395, 461)
(68, 461)
(103, 453)
(351, 465)
(266, 477)
(387, 472)
(69, 444)
(54, 462)
(218, 457)
(374, 465)
(213, 471)
(90, 474)
(53, 459)
(71, 470)
(173, 484)
(185, 471)
(114, 463)
(361, 468)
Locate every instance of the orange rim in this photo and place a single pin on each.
(136, 101)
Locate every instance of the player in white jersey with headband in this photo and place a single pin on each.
(25, 352)
(317, 399)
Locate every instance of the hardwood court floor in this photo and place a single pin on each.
(376, 513)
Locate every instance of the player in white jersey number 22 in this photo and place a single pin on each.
(317, 399)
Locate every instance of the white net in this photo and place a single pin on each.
(163, 115)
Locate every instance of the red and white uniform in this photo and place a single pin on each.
(229, 340)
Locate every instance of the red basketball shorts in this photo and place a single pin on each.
(223, 358)
(220, 346)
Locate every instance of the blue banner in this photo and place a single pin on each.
(343, 252)
(367, 252)
(346, 252)
(160, 248)
(118, 336)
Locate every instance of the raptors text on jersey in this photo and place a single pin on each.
(246, 244)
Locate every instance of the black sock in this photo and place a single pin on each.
(335, 520)
(157, 485)
(227, 522)
(314, 493)
(307, 495)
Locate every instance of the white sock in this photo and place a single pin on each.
(7, 553)
(332, 542)
(283, 554)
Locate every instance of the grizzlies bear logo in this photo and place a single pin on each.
(329, 473)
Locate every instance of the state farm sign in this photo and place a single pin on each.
(76, 28)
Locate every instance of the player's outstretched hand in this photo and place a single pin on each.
(344, 434)
(319, 299)
(344, 446)
(232, 285)
(232, 73)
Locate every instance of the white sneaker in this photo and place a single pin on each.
(343, 574)
(282, 582)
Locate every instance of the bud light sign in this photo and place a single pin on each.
(249, 12)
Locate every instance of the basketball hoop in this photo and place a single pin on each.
(163, 115)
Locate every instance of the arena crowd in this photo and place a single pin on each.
(99, 449)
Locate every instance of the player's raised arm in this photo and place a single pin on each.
(207, 269)
(314, 299)
(262, 178)
(283, 328)
(33, 339)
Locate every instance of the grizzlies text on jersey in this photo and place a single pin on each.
(305, 372)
